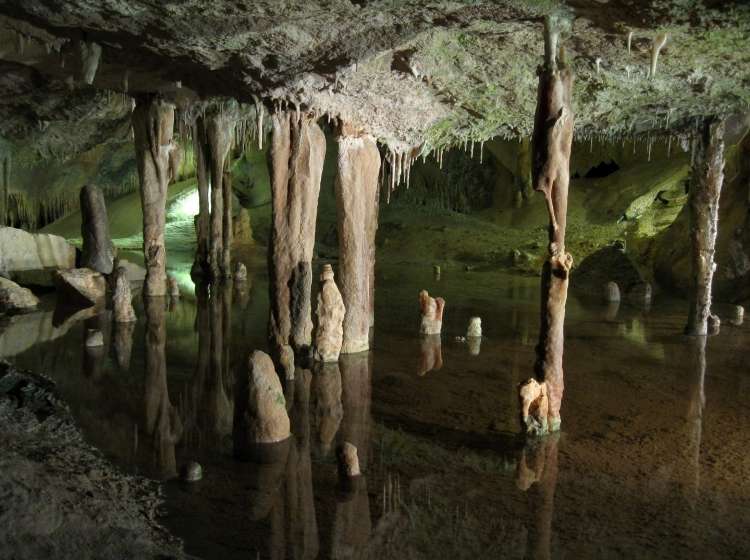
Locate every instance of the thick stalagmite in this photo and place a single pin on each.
(357, 199)
(153, 125)
(296, 162)
(203, 223)
(551, 144)
(705, 190)
(97, 252)
(219, 133)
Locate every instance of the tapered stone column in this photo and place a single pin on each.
(296, 162)
(98, 252)
(153, 124)
(203, 224)
(219, 132)
(705, 190)
(551, 145)
(226, 232)
(357, 206)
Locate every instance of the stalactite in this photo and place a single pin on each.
(659, 41)
(90, 54)
(630, 42)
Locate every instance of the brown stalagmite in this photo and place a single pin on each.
(296, 161)
(226, 255)
(219, 133)
(705, 190)
(203, 224)
(153, 123)
(551, 144)
(356, 197)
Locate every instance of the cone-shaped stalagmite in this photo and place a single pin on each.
(97, 252)
(296, 162)
(357, 199)
(551, 144)
(705, 189)
(153, 124)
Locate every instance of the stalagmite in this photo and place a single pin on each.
(357, 200)
(331, 311)
(296, 163)
(705, 189)
(153, 122)
(219, 132)
(551, 144)
(348, 461)
(98, 250)
(203, 223)
(432, 313)
(122, 304)
(475, 327)
(226, 254)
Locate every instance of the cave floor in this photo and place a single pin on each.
(651, 461)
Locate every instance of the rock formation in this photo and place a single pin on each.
(475, 328)
(172, 286)
(328, 410)
(551, 145)
(15, 298)
(738, 317)
(98, 252)
(122, 344)
(348, 461)
(94, 338)
(357, 206)
(611, 292)
(122, 299)
(705, 189)
(296, 162)
(330, 312)
(260, 407)
(432, 313)
(153, 122)
(23, 251)
(430, 354)
(80, 286)
(535, 406)
(240, 272)
(203, 219)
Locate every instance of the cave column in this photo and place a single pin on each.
(219, 133)
(153, 126)
(296, 158)
(705, 189)
(202, 157)
(551, 145)
(357, 206)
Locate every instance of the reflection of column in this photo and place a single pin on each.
(537, 476)
(93, 356)
(352, 524)
(430, 354)
(328, 408)
(696, 406)
(122, 344)
(161, 420)
(300, 511)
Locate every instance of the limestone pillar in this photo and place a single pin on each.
(203, 224)
(219, 133)
(705, 190)
(551, 145)
(98, 253)
(296, 163)
(226, 232)
(153, 124)
(357, 205)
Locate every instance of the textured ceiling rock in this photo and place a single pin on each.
(413, 72)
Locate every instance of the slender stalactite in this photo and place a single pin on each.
(356, 197)
(705, 189)
(202, 156)
(296, 162)
(153, 125)
(551, 145)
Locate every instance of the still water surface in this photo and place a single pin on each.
(652, 461)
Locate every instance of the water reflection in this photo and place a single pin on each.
(122, 344)
(430, 354)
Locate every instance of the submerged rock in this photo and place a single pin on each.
(475, 327)
(15, 298)
(98, 252)
(80, 286)
(432, 313)
(260, 406)
(330, 333)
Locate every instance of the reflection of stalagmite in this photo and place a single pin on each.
(430, 354)
(705, 190)
(328, 408)
(356, 381)
(537, 476)
(330, 312)
(534, 403)
(432, 313)
(296, 164)
(153, 122)
(162, 423)
(696, 406)
(357, 199)
(122, 299)
(551, 144)
(122, 344)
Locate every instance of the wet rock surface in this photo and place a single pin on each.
(80, 286)
(15, 298)
(61, 498)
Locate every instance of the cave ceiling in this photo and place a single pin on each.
(410, 72)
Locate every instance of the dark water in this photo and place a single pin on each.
(652, 461)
